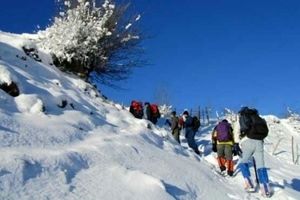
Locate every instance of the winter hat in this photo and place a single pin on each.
(173, 113)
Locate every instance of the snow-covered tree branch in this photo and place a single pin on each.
(92, 39)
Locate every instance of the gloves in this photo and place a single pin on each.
(236, 150)
(214, 147)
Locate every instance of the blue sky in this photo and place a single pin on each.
(217, 53)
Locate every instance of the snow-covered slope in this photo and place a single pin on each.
(59, 139)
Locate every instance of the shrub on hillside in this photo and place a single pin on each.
(165, 110)
(92, 40)
(292, 115)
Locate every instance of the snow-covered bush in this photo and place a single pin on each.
(5, 75)
(6, 82)
(90, 39)
(165, 110)
(230, 115)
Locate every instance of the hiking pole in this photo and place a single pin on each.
(255, 170)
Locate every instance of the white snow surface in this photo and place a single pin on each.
(95, 149)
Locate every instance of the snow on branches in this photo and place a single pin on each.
(292, 115)
(85, 37)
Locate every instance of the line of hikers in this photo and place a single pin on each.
(188, 124)
(148, 111)
(252, 130)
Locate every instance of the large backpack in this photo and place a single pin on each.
(154, 111)
(137, 109)
(196, 123)
(253, 125)
(224, 132)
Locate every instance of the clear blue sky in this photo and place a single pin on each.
(221, 53)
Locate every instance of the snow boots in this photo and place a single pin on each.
(226, 164)
(229, 167)
(263, 179)
(264, 182)
(197, 151)
(249, 186)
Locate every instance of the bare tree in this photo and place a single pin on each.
(162, 95)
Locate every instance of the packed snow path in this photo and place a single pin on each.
(283, 173)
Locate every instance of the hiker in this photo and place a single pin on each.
(223, 140)
(147, 111)
(175, 126)
(189, 132)
(136, 109)
(253, 130)
(180, 122)
(155, 114)
(196, 124)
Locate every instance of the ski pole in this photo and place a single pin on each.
(255, 170)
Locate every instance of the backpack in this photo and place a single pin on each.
(253, 125)
(154, 111)
(174, 124)
(188, 123)
(224, 132)
(136, 109)
(196, 123)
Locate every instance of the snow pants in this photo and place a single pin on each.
(224, 150)
(190, 136)
(176, 134)
(255, 148)
(225, 157)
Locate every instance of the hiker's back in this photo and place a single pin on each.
(154, 111)
(256, 129)
(252, 125)
(196, 123)
(174, 122)
(136, 108)
(224, 132)
(188, 123)
(147, 111)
